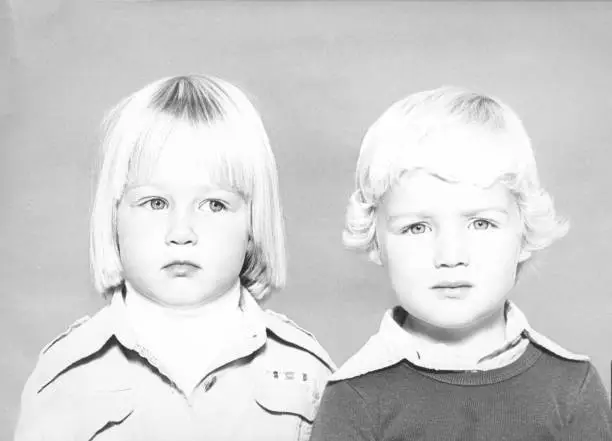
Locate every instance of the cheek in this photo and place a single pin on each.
(402, 252)
(225, 236)
(498, 256)
(408, 265)
(220, 244)
(136, 235)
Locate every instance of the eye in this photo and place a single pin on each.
(482, 224)
(215, 205)
(418, 228)
(157, 204)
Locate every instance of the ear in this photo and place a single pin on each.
(375, 254)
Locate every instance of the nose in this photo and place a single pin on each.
(451, 250)
(180, 230)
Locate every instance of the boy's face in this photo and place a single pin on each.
(182, 238)
(451, 249)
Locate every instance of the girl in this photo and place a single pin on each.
(186, 239)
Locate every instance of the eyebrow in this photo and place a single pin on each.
(427, 215)
(499, 210)
(201, 188)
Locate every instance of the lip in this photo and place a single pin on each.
(452, 285)
(181, 263)
(181, 268)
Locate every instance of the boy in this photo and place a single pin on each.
(449, 202)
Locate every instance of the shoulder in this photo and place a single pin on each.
(297, 340)
(80, 340)
(69, 331)
(374, 356)
(553, 348)
(556, 375)
(292, 368)
(574, 386)
(75, 366)
(517, 321)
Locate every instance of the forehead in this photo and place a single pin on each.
(183, 155)
(422, 192)
(466, 153)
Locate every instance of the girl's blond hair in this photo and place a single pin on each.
(135, 131)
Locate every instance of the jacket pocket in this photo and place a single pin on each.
(78, 418)
(105, 415)
(279, 393)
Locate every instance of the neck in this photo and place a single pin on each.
(470, 342)
(186, 342)
(141, 307)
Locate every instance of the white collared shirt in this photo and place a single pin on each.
(392, 344)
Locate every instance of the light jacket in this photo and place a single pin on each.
(96, 382)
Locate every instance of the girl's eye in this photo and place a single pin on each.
(419, 228)
(216, 206)
(157, 204)
(482, 224)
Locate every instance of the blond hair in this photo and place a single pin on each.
(136, 129)
(398, 142)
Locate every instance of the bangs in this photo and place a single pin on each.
(225, 153)
(201, 108)
(455, 152)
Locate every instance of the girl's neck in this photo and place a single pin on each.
(470, 343)
(186, 342)
(145, 310)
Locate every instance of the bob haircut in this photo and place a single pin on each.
(239, 157)
(403, 140)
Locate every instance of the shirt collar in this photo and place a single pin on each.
(436, 356)
(89, 335)
(393, 344)
(281, 328)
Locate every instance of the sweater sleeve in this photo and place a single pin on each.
(343, 415)
(591, 417)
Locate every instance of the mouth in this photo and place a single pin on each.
(453, 290)
(181, 268)
(453, 285)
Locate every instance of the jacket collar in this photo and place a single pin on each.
(88, 336)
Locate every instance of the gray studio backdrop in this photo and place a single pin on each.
(319, 73)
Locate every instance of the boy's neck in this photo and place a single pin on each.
(470, 343)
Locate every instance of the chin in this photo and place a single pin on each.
(178, 299)
(449, 323)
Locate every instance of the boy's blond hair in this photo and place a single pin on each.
(239, 156)
(403, 139)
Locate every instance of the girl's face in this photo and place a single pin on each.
(182, 237)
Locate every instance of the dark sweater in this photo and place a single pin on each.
(540, 396)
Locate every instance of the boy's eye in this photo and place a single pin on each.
(215, 205)
(157, 204)
(482, 224)
(419, 228)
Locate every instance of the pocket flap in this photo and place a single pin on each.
(85, 417)
(104, 414)
(286, 394)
